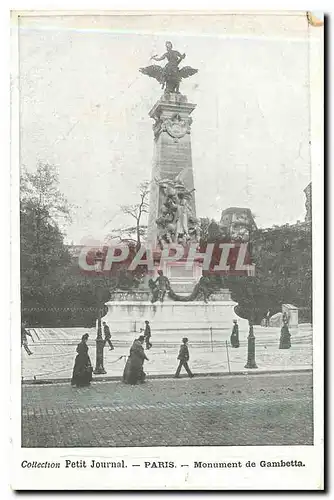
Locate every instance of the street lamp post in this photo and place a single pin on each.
(251, 363)
(99, 368)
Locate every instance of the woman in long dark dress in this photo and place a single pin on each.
(133, 371)
(235, 334)
(285, 339)
(82, 371)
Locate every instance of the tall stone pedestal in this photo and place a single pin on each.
(172, 152)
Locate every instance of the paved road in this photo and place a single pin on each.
(222, 411)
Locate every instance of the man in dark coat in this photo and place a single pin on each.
(183, 357)
(107, 336)
(147, 335)
(235, 334)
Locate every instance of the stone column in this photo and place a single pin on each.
(172, 151)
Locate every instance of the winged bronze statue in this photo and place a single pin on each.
(169, 76)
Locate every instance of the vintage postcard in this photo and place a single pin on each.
(167, 236)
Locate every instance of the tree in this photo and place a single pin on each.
(44, 257)
(132, 235)
(137, 211)
(42, 207)
(40, 189)
(42, 248)
(283, 258)
(283, 273)
(283, 268)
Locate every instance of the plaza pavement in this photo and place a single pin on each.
(243, 410)
(54, 354)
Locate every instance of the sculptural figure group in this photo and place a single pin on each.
(161, 286)
(176, 223)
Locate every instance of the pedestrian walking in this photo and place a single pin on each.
(235, 334)
(183, 358)
(147, 335)
(134, 368)
(83, 370)
(107, 336)
(24, 340)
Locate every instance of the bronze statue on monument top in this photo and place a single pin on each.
(169, 76)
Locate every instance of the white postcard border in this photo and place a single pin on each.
(309, 477)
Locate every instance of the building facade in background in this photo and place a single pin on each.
(238, 223)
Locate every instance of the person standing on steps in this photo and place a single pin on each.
(107, 336)
(183, 358)
(147, 335)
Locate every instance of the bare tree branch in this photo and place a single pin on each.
(137, 210)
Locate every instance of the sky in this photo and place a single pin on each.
(84, 107)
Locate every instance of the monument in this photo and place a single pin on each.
(176, 298)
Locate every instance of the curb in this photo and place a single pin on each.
(169, 376)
